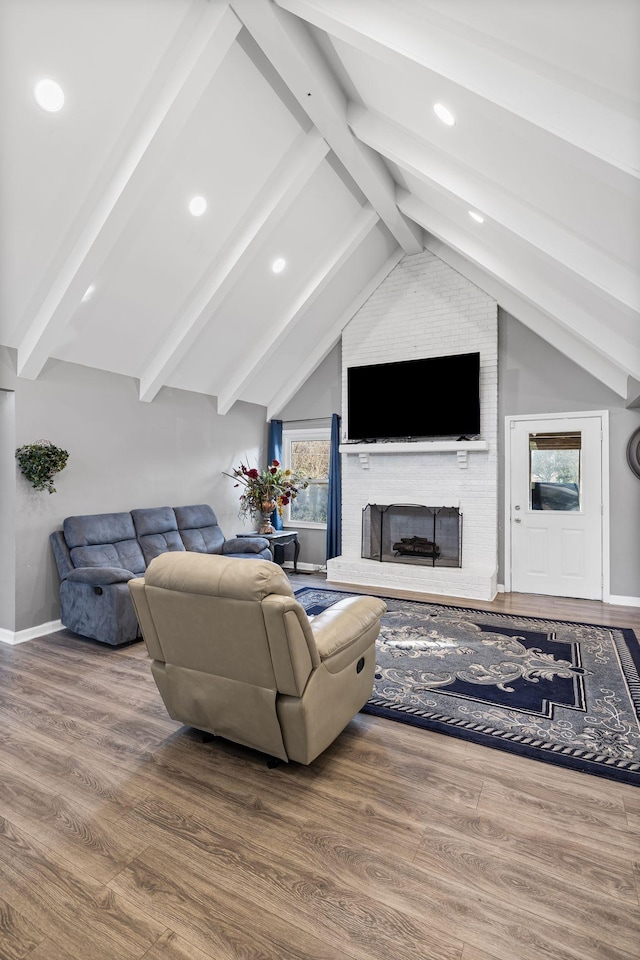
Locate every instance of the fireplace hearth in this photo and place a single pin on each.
(413, 534)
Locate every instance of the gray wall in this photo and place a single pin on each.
(535, 378)
(7, 514)
(122, 454)
(318, 398)
(321, 395)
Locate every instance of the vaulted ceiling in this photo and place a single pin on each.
(308, 127)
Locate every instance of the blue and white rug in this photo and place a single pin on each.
(566, 693)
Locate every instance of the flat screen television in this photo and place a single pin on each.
(414, 399)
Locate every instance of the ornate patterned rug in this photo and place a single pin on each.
(565, 693)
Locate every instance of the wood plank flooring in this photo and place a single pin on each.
(123, 835)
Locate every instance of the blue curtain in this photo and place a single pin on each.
(274, 452)
(334, 511)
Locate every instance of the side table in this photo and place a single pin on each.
(279, 539)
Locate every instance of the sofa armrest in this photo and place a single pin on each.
(245, 545)
(99, 576)
(61, 553)
(344, 629)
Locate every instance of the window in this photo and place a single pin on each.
(306, 453)
(554, 471)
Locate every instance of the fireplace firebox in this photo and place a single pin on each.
(412, 533)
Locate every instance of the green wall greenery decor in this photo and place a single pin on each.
(40, 461)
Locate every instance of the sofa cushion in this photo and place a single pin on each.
(157, 531)
(97, 528)
(103, 540)
(247, 546)
(125, 553)
(199, 528)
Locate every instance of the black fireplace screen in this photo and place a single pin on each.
(410, 533)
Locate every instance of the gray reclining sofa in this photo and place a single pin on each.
(99, 553)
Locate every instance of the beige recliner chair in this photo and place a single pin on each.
(235, 654)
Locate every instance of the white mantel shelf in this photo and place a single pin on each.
(459, 447)
(415, 446)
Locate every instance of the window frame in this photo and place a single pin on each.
(288, 437)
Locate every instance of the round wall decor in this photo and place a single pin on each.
(633, 452)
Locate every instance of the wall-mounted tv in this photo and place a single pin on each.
(414, 399)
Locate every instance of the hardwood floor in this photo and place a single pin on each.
(123, 835)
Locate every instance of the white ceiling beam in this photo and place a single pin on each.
(548, 328)
(519, 299)
(136, 161)
(477, 192)
(633, 394)
(280, 329)
(273, 201)
(286, 42)
(485, 66)
(586, 327)
(329, 339)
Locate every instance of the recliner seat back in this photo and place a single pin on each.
(199, 530)
(204, 625)
(234, 653)
(157, 531)
(104, 540)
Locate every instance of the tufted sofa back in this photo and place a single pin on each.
(199, 530)
(157, 531)
(104, 540)
(97, 554)
(130, 541)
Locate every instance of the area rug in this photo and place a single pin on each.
(565, 693)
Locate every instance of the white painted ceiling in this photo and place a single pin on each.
(308, 126)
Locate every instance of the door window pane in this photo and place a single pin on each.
(554, 471)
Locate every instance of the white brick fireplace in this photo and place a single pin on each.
(424, 308)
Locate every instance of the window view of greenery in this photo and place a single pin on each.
(555, 471)
(310, 458)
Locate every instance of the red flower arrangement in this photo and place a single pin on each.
(266, 490)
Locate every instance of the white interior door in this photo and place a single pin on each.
(556, 508)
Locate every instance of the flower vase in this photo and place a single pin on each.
(265, 525)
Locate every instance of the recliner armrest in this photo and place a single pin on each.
(341, 629)
(99, 576)
(245, 545)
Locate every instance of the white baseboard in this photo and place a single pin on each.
(303, 567)
(624, 601)
(8, 636)
(614, 599)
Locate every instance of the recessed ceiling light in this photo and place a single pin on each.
(476, 216)
(278, 265)
(443, 113)
(89, 292)
(197, 206)
(49, 95)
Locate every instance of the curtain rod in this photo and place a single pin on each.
(307, 419)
